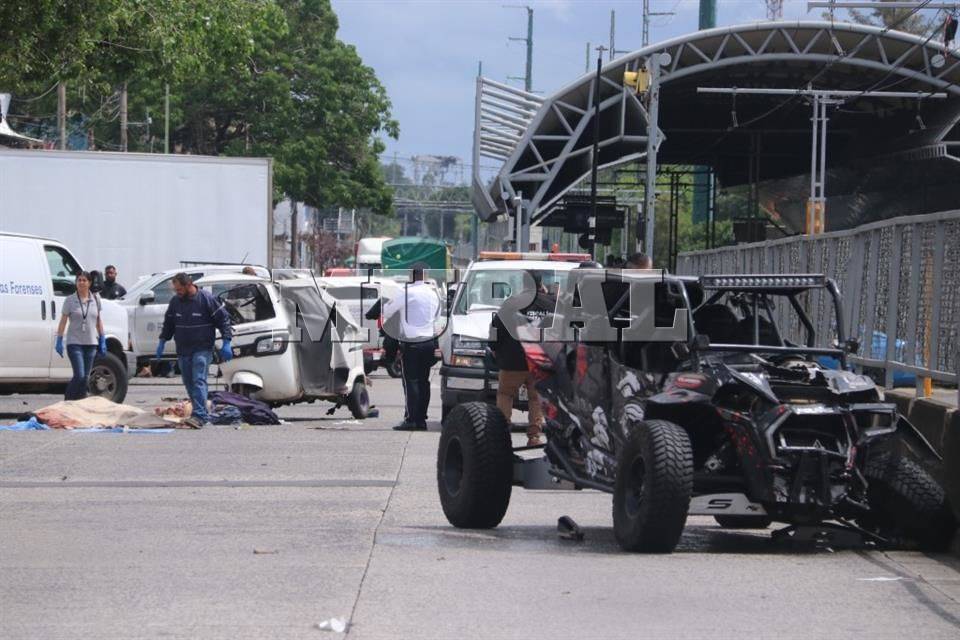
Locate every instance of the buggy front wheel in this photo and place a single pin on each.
(652, 490)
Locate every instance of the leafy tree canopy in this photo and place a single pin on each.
(246, 77)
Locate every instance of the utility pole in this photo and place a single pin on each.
(774, 9)
(654, 62)
(166, 118)
(646, 20)
(62, 113)
(595, 159)
(528, 76)
(586, 63)
(708, 14)
(123, 117)
(614, 52)
(294, 241)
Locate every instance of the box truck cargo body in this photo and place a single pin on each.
(143, 213)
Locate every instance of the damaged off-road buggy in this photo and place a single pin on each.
(739, 421)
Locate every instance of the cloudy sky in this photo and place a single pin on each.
(426, 51)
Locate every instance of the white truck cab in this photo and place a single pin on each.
(466, 374)
(36, 276)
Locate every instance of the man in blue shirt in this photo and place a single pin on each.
(191, 318)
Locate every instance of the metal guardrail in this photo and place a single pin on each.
(900, 280)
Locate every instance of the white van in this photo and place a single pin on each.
(146, 304)
(36, 275)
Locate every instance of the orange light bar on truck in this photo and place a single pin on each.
(516, 255)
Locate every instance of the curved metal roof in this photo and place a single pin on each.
(545, 144)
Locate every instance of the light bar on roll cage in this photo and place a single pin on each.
(777, 282)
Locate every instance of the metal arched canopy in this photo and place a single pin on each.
(545, 144)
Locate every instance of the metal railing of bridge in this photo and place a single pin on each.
(900, 280)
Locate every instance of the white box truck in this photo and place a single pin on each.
(142, 212)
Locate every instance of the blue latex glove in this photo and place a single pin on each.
(226, 351)
(160, 347)
(102, 345)
(58, 345)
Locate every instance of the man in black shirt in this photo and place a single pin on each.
(111, 288)
(512, 360)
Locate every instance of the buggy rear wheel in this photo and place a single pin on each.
(744, 522)
(652, 490)
(475, 466)
(907, 505)
(359, 400)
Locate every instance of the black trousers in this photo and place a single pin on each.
(418, 358)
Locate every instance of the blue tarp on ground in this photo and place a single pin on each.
(30, 425)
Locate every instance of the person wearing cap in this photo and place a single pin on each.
(192, 317)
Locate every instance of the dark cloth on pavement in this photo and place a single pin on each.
(252, 411)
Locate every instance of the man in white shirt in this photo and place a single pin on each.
(418, 307)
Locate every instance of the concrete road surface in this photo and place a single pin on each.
(263, 532)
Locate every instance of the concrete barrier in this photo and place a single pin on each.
(931, 417)
(939, 422)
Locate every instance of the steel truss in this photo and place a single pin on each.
(542, 143)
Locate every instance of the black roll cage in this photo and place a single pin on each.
(766, 284)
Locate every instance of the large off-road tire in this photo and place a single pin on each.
(359, 400)
(651, 494)
(744, 522)
(475, 466)
(907, 506)
(108, 378)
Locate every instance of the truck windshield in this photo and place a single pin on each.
(486, 289)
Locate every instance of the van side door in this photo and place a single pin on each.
(26, 334)
(62, 273)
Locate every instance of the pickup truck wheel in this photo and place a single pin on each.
(108, 378)
(475, 466)
(744, 522)
(359, 400)
(393, 369)
(652, 490)
(907, 505)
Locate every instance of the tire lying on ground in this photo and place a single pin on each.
(108, 378)
(475, 466)
(359, 400)
(907, 505)
(654, 481)
(743, 522)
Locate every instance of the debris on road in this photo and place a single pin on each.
(337, 625)
(568, 529)
(882, 579)
(265, 552)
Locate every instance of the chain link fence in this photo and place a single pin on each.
(900, 280)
